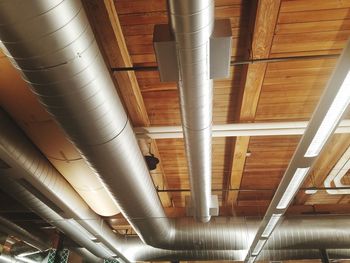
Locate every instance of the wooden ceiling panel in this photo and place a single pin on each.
(172, 154)
(264, 168)
(162, 101)
(292, 89)
(311, 26)
(138, 18)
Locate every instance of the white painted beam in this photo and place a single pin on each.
(240, 129)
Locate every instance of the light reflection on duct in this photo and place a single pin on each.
(107, 250)
(293, 186)
(82, 229)
(24, 259)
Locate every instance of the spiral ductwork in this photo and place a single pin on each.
(52, 44)
(220, 238)
(192, 24)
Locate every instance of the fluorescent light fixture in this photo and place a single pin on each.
(251, 260)
(82, 229)
(258, 247)
(271, 225)
(335, 112)
(293, 186)
(107, 250)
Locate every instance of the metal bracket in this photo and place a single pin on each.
(213, 210)
(220, 51)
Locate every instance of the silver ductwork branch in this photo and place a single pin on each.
(193, 50)
(192, 24)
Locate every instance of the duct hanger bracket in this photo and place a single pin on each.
(214, 206)
(220, 51)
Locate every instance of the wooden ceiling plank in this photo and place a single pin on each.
(264, 28)
(130, 91)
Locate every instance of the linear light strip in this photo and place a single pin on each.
(335, 112)
(293, 186)
(258, 247)
(271, 225)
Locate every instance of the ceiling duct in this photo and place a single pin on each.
(183, 51)
(71, 80)
(222, 238)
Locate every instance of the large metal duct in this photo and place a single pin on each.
(31, 169)
(67, 72)
(192, 24)
(227, 235)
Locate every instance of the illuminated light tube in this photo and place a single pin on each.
(259, 247)
(82, 229)
(340, 80)
(106, 249)
(271, 225)
(251, 260)
(293, 186)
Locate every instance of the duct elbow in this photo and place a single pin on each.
(161, 237)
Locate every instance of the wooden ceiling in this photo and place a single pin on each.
(246, 170)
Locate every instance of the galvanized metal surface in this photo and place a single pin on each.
(77, 89)
(192, 24)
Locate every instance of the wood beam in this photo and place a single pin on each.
(127, 81)
(264, 27)
(110, 36)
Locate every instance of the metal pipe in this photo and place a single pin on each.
(192, 24)
(36, 173)
(73, 83)
(66, 70)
